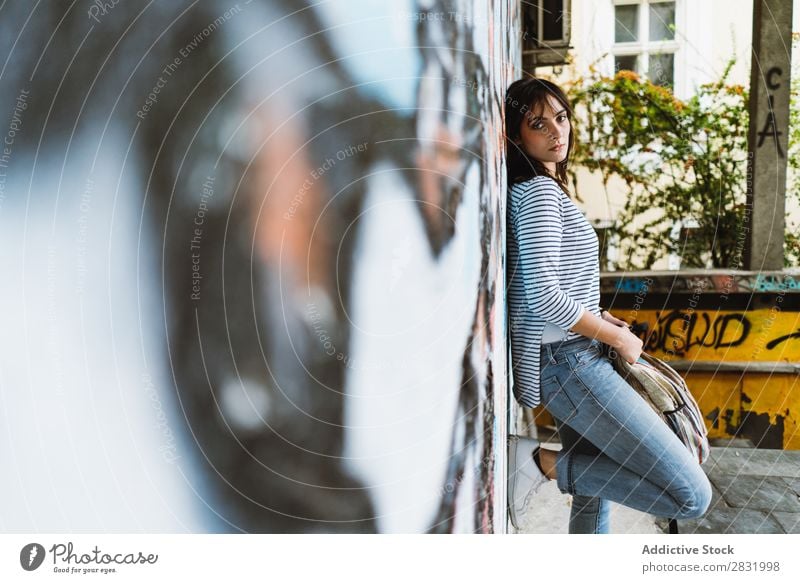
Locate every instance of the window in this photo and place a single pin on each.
(662, 21)
(661, 68)
(626, 62)
(553, 21)
(644, 39)
(626, 19)
(545, 33)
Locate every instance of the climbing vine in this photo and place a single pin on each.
(683, 165)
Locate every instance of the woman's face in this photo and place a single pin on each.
(544, 133)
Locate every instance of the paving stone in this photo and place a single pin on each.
(717, 500)
(662, 524)
(730, 442)
(794, 484)
(790, 521)
(756, 493)
(548, 513)
(754, 462)
(732, 521)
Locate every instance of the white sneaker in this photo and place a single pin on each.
(524, 476)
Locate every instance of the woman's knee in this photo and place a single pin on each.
(696, 499)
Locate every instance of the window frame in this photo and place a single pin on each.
(644, 48)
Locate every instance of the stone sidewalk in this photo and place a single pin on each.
(755, 491)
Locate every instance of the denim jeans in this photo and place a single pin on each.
(615, 447)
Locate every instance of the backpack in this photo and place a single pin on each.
(666, 392)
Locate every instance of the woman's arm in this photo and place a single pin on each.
(618, 336)
(539, 227)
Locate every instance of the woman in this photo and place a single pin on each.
(614, 447)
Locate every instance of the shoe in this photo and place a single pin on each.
(524, 476)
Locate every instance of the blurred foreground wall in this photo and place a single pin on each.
(251, 265)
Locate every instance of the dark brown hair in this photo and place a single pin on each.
(522, 98)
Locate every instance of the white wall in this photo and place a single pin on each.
(709, 33)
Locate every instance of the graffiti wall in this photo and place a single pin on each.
(254, 266)
(735, 337)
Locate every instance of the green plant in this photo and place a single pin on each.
(681, 161)
(792, 239)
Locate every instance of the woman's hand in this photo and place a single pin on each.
(606, 315)
(628, 345)
(613, 331)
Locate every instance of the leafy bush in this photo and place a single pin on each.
(792, 248)
(682, 161)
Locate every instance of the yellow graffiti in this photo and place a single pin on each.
(759, 335)
(761, 405)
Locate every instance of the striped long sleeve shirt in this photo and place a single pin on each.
(553, 273)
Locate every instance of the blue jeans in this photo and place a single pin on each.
(615, 447)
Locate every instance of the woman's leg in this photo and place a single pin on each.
(589, 514)
(639, 461)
